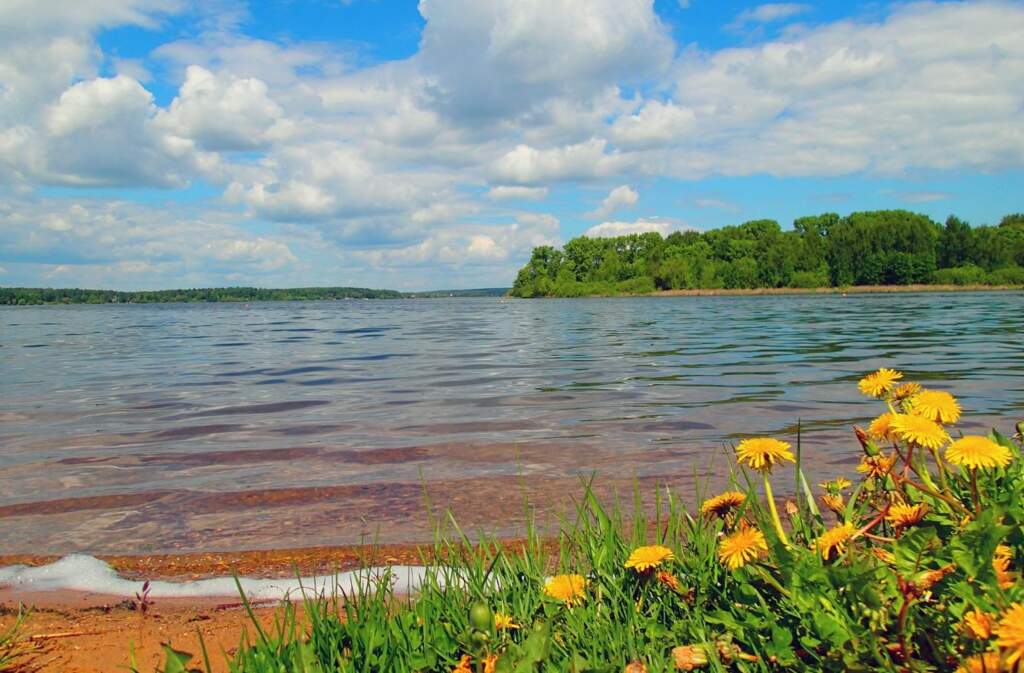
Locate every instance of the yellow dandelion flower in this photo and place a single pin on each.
(837, 484)
(491, 663)
(566, 588)
(647, 558)
(635, 667)
(876, 467)
(1010, 633)
(689, 657)
(902, 515)
(464, 665)
(1001, 561)
(978, 624)
(762, 453)
(975, 451)
(930, 578)
(833, 502)
(919, 430)
(879, 383)
(935, 405)
(720, 505)
(989, 662)
(905, 390)
(881, 428)
(743, 546)
(835, 539)
(503, 622)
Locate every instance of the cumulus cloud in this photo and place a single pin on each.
(102, 239)
(641, 226)
(225, 112)
(498, 58)
(622, 196)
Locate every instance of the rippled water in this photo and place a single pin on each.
(226, 426)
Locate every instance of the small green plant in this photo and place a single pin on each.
(14, 647)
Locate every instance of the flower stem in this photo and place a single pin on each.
(941, 496)
(974, 491)
(775, 513)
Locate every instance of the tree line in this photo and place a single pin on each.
(35, 295)
(885, 247)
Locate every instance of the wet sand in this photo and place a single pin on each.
(71, 632)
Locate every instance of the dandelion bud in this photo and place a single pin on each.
(791, 508)
(635, 667)
(689, 657)
(870, 448)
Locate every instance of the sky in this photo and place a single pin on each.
(149, 144)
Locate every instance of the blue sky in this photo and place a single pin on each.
(168, 143)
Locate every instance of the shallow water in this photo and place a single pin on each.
(225, 426)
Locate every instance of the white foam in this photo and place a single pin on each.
(80, 572)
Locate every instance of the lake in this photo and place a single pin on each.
(184, 427)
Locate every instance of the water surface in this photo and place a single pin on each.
(227, 426)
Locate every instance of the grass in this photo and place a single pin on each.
(914, 568)
(13, 646)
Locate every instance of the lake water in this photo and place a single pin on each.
(225, 426)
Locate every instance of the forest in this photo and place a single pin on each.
(33, 295)
(885, 247)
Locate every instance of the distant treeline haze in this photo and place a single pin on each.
(31, 295)
(886, 247)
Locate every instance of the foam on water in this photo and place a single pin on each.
(80, 572)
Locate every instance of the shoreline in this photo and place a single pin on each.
(853, 289)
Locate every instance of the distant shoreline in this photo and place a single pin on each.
(853, 289)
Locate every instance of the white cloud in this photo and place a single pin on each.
(622, 196)
(512, 192)
(225, 112)
(769, 13)
(498, 58)
(921, 196)
(654, 124)
(610, 229)
(581, 161)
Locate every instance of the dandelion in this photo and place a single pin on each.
(879, 383)
(905, 390)
(503, 622)
(721, 505)
(566, 588)
(647, 558)
(978, 624)
(833, 502)
(743, 546)
(837, 484)
(835, 539)
(881, 427)
(1010, 633)
(930, 578)
(490, 663)
(1001, 561)
(635, 667)
(974, 451)
(762, 453)
(876, 467)
(902, 515)
(464, 665)
(936, 405)
(989, 662)
(919, 430)
(689, 657)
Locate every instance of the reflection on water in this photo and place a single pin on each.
(225, 426)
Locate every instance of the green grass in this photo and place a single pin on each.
(890, 599)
